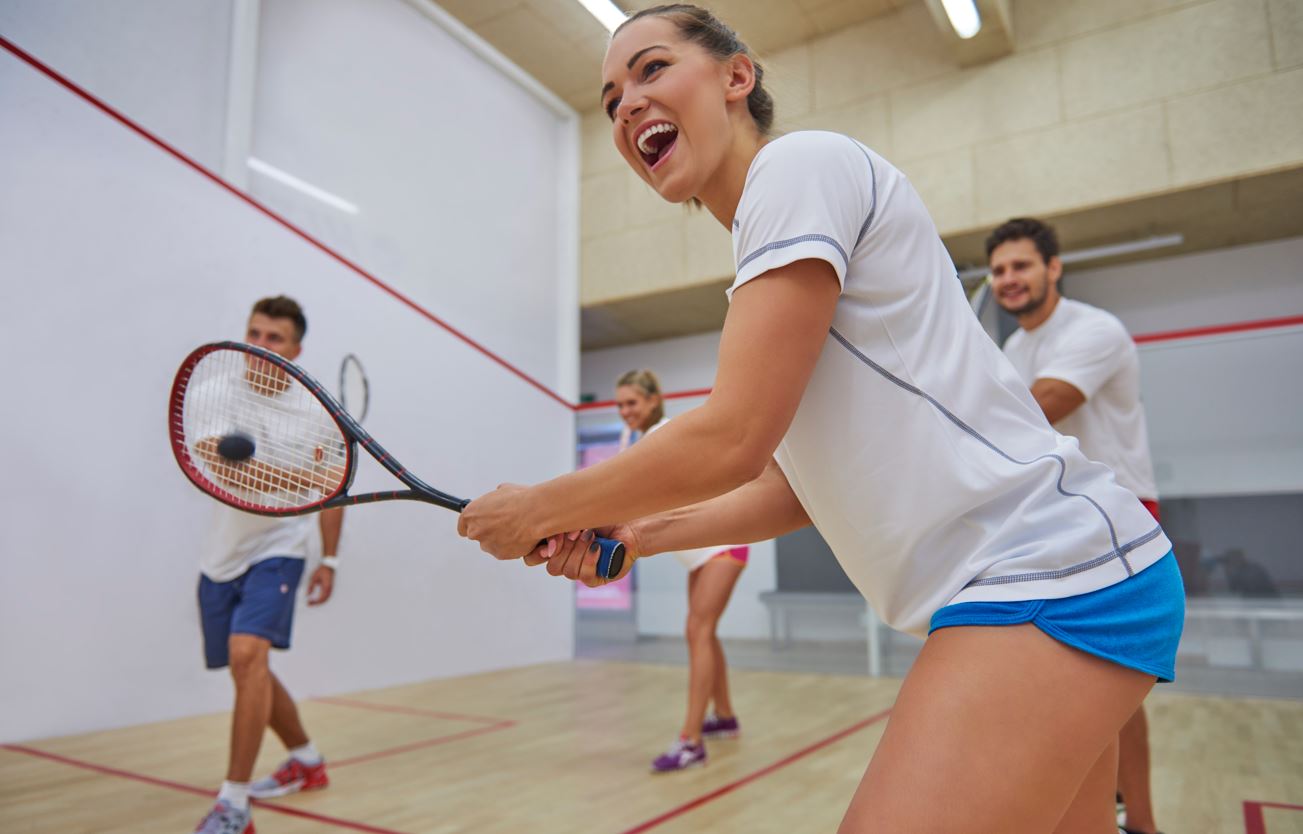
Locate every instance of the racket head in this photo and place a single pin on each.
(303, 456)
(354, 388)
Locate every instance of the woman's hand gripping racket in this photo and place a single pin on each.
(255, 431)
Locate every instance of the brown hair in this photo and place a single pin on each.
(699, 26)
(646, 382)
(1040, 233)
(283, 307)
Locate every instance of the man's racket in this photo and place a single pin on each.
(256, 432)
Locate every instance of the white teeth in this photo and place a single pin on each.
(663, 127)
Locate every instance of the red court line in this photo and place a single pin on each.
(178, 786)
(1144, 338)
(31, 61)
(419, 745)
(1254, 820)
(451, 716)
(493, 725)
(698, 392)
(1218, 329)
(765, 771)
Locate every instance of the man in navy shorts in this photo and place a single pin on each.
(250, 571)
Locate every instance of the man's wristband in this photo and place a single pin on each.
(331, 562)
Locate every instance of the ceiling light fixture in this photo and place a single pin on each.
(963, 16)
(610, 15)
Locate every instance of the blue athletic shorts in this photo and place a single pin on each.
(259, 602)
(1135, 623)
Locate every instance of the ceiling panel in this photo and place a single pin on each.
(561, 44)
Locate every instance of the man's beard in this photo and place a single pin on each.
(1033, 304)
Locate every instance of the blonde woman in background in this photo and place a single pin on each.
(712, 573)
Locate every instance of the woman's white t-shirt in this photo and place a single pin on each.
(917, 451)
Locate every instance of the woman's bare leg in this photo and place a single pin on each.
(709, 588)
(997, 729)
(719, 696)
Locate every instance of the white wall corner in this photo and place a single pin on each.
(241, 85)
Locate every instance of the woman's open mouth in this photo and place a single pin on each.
(655, 143)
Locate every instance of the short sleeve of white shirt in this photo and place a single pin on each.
(1090, 358)
(808, 195)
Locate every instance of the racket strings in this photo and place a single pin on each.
(299, 455)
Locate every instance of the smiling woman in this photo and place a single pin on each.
(856, 391)
(698, 47)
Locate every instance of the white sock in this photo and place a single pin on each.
(236, 795)
(307, 754)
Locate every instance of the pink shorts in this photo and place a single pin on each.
(694, 559)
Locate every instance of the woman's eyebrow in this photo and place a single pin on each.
(633, 60)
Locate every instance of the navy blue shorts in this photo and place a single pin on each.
(1135, 623)
(259, 602)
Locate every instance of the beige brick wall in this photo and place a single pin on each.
(1103, 101)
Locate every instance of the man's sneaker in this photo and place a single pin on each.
(716, 727)
(224, 819)
(291, 777)
(682, 754)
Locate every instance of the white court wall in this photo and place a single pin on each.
(163, 63)
(463, 179)
(1225, 412)
(660, 605)
(118, 260)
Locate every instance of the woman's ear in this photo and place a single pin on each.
(741, 78)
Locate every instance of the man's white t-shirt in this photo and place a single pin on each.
(1089, 349)
(917, 451)
(236, 540)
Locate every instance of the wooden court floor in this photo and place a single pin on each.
(565, 748)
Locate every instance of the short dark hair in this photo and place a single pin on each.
(1026, 228)
(283, 307)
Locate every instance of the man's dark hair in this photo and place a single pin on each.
(1026, 228)
(283, 307)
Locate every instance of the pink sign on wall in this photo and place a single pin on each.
(613, 596)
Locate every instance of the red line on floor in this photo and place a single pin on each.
(451, 716)
(1255, 821)
(54, 76)
(418, 745)
(194, 789)
(765, 771)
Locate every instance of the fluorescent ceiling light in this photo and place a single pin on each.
(1095, 253)
(299, 185)
(964, 18)
(607, 12)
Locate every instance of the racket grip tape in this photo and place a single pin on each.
(611, 561)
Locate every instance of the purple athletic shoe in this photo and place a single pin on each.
(716, 727)
(682, 754)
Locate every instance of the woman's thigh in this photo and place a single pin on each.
(994, 730)
(711, 585)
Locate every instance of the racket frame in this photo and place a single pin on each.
(352, 432)
(612, 552)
